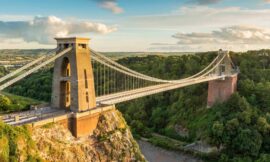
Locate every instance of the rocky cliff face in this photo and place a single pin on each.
(111, 141)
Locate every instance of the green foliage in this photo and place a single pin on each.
(161, 112)
(11, 103)
(247, 142)
(48, 126)
(241, 132)
(264, 158)
(37, 86)
(166, 142)
(3, 71)
(217, 131)
(16, 144)
(4, 103)
(4, 149)
(239, 126)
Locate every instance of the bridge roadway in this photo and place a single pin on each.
(146, 91)
(47, 115)
(20, 118)
(48, 112)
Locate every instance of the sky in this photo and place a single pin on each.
(137, 25)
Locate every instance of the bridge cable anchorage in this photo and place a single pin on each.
(112, 64)
(8, 76)
(7, 84)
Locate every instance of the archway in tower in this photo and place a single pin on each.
(65, 98)
(65, 72)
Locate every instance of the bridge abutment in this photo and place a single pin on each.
(221, 90)
(79, 124)
(84, 123)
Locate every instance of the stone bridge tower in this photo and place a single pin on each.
(221, 90)
(73, 82)
(73, 86)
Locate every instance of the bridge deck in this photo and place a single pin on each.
(45, 115)
(48, 112)
(31, 116)
(141, 92)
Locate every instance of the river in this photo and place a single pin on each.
(157, 154)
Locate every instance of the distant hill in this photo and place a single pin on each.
(24, 52)
(29, 52)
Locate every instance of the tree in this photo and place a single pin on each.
(237, 103)
(247, 142)
(217, 131)
(4, 103)
(263, 125)
(264, 158)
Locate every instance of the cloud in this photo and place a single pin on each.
(205, 28)
(194, 17)
(162, 44)
(237, 38)
(7, 17)
(44, 29)
(111, 5)
(267, 1)
(206, 2)
(229, 35)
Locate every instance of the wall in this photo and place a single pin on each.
(80, 124)
(221, 90)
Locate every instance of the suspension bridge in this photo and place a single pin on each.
(86, 83)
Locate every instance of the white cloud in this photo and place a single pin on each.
(229, 35)
(44, 29)
(203, 17)
(112, 6)
(206, 28)
(7, 17)
(19, 43)
(236, 38)
(267, 1)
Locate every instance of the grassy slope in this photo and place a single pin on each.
(19, 103)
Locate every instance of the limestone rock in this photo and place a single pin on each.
(111, 141)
